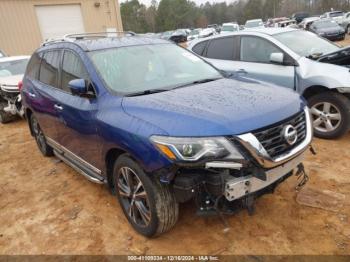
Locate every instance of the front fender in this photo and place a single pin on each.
(313, 73)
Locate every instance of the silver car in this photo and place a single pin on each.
(297, 59)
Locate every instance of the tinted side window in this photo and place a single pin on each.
(49, 68)
(199, 48)
(72, 68)
(255, 49)
(221, 48)
(33, 66)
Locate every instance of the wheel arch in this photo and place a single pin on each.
(316, 89)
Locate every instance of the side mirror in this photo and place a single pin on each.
(78, 87)
(277, 58)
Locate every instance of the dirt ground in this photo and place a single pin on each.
(48, 208)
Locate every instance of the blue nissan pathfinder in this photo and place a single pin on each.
(160, 126)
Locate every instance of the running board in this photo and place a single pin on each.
(89, 175)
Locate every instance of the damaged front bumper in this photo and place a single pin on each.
(256, 174)
(238, 187)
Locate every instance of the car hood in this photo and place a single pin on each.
(222, 107)
(10, 82)
(339, 57)
(330, 30)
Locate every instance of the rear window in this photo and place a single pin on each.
(199, 48)
(49, 68)
(221, 48)
(33, 66)
(336, 14)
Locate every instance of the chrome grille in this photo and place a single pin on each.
(273, 140)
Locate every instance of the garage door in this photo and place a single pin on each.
(55, 21)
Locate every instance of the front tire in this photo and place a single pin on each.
(149, 205)
(330, 114)
(39, 136)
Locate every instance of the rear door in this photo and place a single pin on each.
(42, 86)
(254, 62)
(77, 115)
(222, 53)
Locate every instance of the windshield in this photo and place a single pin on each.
(136, 69)
(306, 43)
(335, 14)
(250, 24)
(229, 28)
(10, 68)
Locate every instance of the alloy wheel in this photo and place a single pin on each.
(326, 117)
(133, 196)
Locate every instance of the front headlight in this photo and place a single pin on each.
(195, 149)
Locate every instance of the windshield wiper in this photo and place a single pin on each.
(147, 92)
(202, 81)
(206, 80)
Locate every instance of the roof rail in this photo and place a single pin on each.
(98, 35)
(52, 41)
(73, 37)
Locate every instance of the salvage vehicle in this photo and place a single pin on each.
(254, 23)
(297, 59)
(206, 32)
(179, 36)
(305, 24)
(337, 16)
(194, 34)
(300, 16)
(160, 126)
(216, 27)
(328, 29)
(11, 74)
(229, 28)
(345, 22)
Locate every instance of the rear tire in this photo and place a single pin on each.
(149, 205)
(39, 136)
(6, 117)
(330, 114)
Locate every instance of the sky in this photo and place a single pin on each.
(198, 2)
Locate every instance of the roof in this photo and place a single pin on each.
(113, 42)
(267, 31)
(99, 43)
(270, 30)
(254, 20)
(13, 58)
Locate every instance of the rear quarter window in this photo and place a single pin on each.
(33, 66)
(199, 48)
(49, 68)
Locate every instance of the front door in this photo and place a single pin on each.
(255, 62)
(77, 116)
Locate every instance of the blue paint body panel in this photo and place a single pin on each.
(90, 128)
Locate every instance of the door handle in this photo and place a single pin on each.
(58, 107)
(32, 95)
(242, 71)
